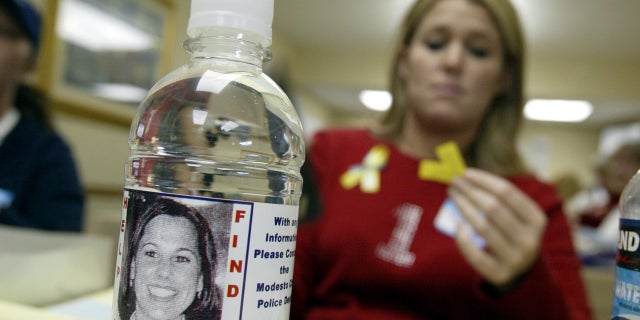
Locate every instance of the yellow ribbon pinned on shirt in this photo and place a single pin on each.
(451, 164)
(368, 173)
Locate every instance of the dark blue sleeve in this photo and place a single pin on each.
(54, 198)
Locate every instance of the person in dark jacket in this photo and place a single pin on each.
(39, 183)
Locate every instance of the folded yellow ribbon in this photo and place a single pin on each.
(451, 164)
(368, 173)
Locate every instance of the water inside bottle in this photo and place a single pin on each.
(231, 136)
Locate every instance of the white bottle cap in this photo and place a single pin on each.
(254, 16)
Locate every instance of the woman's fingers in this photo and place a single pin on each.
(497, 263)
(488, 266)
(480, 222)
(524, 208)
(509, 221)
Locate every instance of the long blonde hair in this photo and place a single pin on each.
(494, 148)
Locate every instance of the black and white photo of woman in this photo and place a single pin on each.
(169, 270)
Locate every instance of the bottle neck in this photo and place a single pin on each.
(232, 48)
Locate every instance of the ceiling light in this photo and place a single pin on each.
(558, 110)
(377, 100)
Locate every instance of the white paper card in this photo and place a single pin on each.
(449, 217)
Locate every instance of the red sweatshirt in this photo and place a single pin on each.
(378, 256)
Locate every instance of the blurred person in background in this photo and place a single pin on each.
(594, 211)
(373, 251)
(39, 183)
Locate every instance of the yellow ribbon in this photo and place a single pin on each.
(451, 164)
(368, 173)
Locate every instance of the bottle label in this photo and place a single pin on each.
(626, 299)
(183, 257)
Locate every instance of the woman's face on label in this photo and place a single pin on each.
(453, 65)
(167, 268)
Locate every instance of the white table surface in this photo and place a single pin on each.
(95, 306)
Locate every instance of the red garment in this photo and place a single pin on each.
(341, 274)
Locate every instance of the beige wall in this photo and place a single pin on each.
(554, 151)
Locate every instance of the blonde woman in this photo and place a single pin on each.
(374, 252)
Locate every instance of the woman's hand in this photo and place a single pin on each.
(511, 224)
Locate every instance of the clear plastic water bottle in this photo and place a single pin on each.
(626, 300)
(210, 207)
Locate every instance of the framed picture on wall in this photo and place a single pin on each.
(108, 54)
